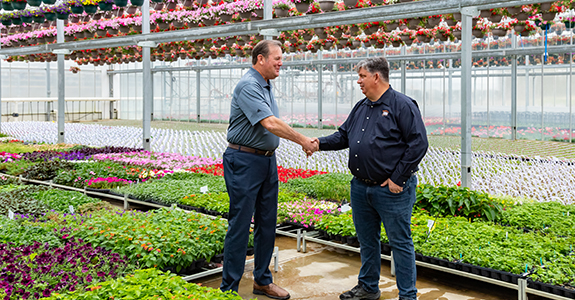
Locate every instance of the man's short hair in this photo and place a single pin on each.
(375, 65)
(263, 48)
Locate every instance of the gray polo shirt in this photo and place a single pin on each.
(252, 101)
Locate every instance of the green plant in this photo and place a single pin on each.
(20, 233)
(547, 217)
(172, 191)
(20, 201)
(147, 284)
(219, 202)
(46, 170)
(16, 168)
(457, 201)
(60, 200)
(333, 186)
(160, 238)
(84, 172)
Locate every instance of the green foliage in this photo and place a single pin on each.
(333, 186)
(16, 147)
(46, 170)
(548, 217)
(17, 167)
(21, 201)
(159, 238)
(21, 233)
(219, 202)
(285, 195)
(83, 172)
(147, 284)
(60, 200)
(172, 191)
(457, 201)
(95, 207)
(8, 181)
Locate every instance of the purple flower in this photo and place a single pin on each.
(101, 274)
(46, 293)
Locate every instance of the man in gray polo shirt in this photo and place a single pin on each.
(250, 171)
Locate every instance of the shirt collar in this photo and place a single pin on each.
(384, 99)
(259, 77)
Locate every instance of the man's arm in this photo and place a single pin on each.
(281, 129)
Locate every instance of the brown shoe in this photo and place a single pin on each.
(271, 290)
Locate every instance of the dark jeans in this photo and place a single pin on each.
(252, 184)
(372, 205)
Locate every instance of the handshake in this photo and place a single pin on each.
(310, 145)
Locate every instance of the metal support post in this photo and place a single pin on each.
(514, 98)
(268, 15)
(111, 94)
(542, 94)
(148, 91)
(48, 85)
(276, 259)
(571, 95)
(522, 289)
(1, 57)
(392, 265)
(319, 96)
(126, 203)
(335, 91)
(403, 72)
(61, 83)
(466, 159)
(488, 92)
(304, 244)
(298, 232)
(198, 94)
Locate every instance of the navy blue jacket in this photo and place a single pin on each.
(386, 138)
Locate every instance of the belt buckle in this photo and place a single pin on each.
(269, 153)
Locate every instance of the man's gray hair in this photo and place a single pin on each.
(375, 65)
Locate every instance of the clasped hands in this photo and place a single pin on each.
(310, 145)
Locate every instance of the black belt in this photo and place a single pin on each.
(369, 181)
(251, 150)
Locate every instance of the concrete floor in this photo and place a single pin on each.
(325, 272)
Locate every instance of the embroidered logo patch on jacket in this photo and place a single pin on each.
(385, 113)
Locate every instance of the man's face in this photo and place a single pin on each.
(367, 81)
(272, 64)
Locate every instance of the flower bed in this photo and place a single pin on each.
(161, 238)
(169, 161)
(38, 270)
(147, 284)
(284, 174)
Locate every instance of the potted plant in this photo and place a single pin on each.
(281, 8)
(26, 16)
(90, 6)
(62, 11)
(19, 4)
(302, 6)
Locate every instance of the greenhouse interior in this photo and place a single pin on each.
(115, 116)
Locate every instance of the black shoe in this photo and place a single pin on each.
(359, 293)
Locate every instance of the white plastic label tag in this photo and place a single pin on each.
(204, 189)
(10, 215)
(430, 224)
(345, 208)
(71, 208)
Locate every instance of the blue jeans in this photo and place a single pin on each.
(252, 184)
(372, 205)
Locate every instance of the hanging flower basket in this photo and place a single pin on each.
(179, 24)
(7, 22)
(27, 19)
(38, 19)
(302, 7)
(326, 5)
(77, 9)
(514, 10)
(121, 3)
(350, 3)
(548, 16)
(164, 25)
(105, 6)
(159, 6)
(50, 16)
(226, 17)
(495, 18)
(477, 33)
(35, 2)
(7, 6)
(49, 2)
(137, 2)
(19, 5)
(90, 8)
(499, 32)
(281, 13)
(171, 5)
(61, 16)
